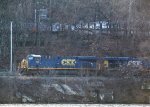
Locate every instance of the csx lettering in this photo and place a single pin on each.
(135, 63)
(69, 62)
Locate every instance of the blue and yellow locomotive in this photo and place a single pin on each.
(41, 63)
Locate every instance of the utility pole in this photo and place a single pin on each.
(130, 24)
(36, 22)
(36, 26)
(11, 47)
(35, 18)
(130, 16)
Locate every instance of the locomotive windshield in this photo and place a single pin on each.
(32, 56)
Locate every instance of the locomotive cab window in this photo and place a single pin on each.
(35, 58)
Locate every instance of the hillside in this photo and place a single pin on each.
(129, 38)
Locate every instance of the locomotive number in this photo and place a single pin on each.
(68, 62)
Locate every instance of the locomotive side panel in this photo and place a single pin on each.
(74, 62)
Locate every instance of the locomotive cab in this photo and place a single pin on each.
(30, 61)
(34, 61)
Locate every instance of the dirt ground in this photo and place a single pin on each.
(102, 89)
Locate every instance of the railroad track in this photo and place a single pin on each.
(59, 77)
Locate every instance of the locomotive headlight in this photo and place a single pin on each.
(68, 62)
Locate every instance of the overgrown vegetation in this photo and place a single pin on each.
(131, 15)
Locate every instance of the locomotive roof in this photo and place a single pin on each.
(64, 56)
(33, 55)
(118, 58)
(90, 57)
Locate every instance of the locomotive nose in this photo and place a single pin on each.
(23, 64)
